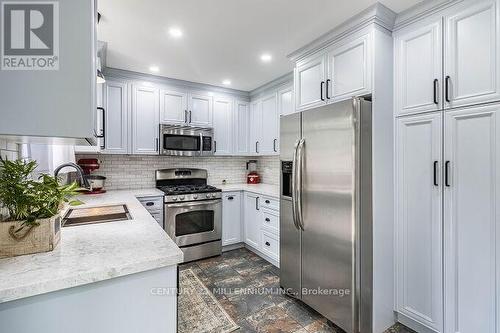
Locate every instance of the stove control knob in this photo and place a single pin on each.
(195, 196)
(181, 197)
(208, 195)
(174, 198)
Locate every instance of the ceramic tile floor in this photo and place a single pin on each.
(229, 277)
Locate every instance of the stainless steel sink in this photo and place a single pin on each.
(93, 215)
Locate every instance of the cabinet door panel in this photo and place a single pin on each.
(270, 127)
(231, 218)
(252, 220)
(145, 120)
(255, 128)
(173, 107)
(472, 56)
(200, 108)
(222, 122)
(285, 101)
(242, 125)
(472, 220)
(419, 216)
(418, 66)
(308, 78)
(116, 124)
(349, 69)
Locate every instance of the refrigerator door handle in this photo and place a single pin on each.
(294, 186)
(300, 166)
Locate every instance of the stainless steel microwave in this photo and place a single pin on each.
(178, 140)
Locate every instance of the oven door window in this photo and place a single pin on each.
(194, 222)
(181, 142)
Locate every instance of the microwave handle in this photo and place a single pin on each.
(201, 144)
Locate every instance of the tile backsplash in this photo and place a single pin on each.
(8, 150)
(132, 172)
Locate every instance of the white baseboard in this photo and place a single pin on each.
(414, 325)
(231, 247)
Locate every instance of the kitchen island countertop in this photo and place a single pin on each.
(92, 253)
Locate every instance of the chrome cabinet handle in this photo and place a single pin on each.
(268, 244)
(257, 147)
(268, 219)
(267, 202)
(201, 144)
(321, 90)
(230, 198)
(257, 203)
(447, 174)
(274, 145)
(190, 116)
(327, 88)
(149, 204)
(185, 116)
(447, 89)
(215, 146)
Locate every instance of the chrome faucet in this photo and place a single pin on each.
(83, 181)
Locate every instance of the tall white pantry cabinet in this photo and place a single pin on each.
(447, 179)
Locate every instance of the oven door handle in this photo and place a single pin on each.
(192, 204)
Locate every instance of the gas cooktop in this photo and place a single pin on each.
(187, 189)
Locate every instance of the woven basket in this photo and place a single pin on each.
(28, 240)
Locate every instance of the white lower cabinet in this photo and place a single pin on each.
(231, 218)
(460, 244)
(253, 216)
(472, 220)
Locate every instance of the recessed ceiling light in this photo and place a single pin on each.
(175, 32)
(226, 82)
(266, 57)
(154, 69)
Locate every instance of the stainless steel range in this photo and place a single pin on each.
(193, 212)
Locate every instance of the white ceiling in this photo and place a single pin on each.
(222, 39)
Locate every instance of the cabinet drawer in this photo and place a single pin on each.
(152, 204)
(270, 245)
(270, 220)
(270, 203)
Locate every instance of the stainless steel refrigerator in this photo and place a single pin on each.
(326, 211)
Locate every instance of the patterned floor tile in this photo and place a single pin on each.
(273, 319)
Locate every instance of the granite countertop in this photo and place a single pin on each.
(264, 189)
(93, 253)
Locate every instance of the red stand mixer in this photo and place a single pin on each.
(253, 177)
(89, 165)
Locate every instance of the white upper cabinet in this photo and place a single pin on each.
(419, 214)
(269, 144)
(145, 120)
(116, 120)
(173, 105)
(223, 124)
(241, 126)
(418, 67)
(472, 219)
(200, 110)
(310, 80)
(472, 58)
(349, 70)
(255, 134)
(285, 101)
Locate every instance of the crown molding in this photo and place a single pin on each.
(376, 14)
(421, 11)
(136, 76)
(272, 85)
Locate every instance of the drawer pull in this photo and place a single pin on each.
(230, 198)
(268, 202)
(150, 204)
(268, 244)
(267, 219)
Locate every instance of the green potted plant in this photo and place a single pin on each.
(33, 222)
